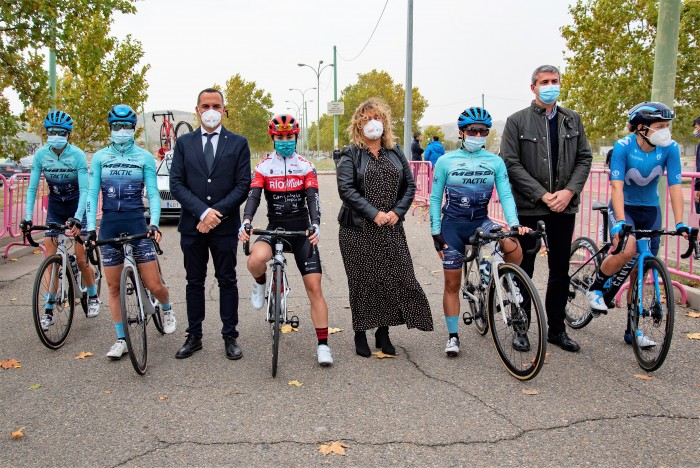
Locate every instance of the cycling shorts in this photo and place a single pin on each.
(114, 225)
(59, 212)
(299, 246)
(641, 217)
(456, 234)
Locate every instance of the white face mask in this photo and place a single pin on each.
(211, 118)
(122, 136)
(696, 132)
(660, 137)
(473, 144)
(373, 129)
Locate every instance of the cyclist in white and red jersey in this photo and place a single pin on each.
(291, 191)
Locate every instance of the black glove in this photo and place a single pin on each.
(439, 242)
(91, 237)
(71, 222)
(152, 229)
(25, 226)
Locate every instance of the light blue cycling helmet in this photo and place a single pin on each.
(121, 113)
(474, 115)
(58, 119)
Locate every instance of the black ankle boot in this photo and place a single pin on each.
(361, 346)
(382, 341)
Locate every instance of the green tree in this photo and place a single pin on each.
(248, 112)
(326, 134)
(610, 62)
(431, 131)
(10, 146)
(493, 141)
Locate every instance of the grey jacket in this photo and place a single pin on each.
(525, 149)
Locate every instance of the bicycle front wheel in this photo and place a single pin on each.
(97, 271)
(583, 264)
(652, 329)
(472, 285)
(275, 304)
(165, 136)
(134, 320)
(53, 302)
(517, 322)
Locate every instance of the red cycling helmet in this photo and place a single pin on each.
(283, 124)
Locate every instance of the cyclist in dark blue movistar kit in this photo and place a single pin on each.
(466, 177)
(638, 161)
(120, 172)
(65, 169)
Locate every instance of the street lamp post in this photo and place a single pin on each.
(306, 120)
(303, 100)
(299, 117)
(317, 71)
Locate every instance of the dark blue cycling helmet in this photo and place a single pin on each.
(474, 115)
(121, 113)
(648, 112)
(58, 119)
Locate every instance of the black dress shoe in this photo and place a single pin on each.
(564, 342)
(191, 345)
(382, 341)
(521, 343)
(361, 346)
(233, 351)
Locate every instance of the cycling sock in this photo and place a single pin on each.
(92, 290)
(452, 324)
(454, 335)
(166, 307)
(50, 301)
(260, 279)
(120, 330)
(322, 335)
(600, 279)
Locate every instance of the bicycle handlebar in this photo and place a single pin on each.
(628, 230)
(164, 114)
(278, 232)
(497, 234)
(49, 227)
(121, 240)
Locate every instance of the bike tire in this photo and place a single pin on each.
(276, 304)
(133, 319)
(158, 316)
(523, 365)
(97, 269)
(578, 310)
(656, 323)
(472, 284)
(182, 128)
(164, 136)
(50, 270)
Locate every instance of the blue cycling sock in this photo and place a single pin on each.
(50, 301)
(166, 306)
(92, 290)
(452, 324)
(120, 330)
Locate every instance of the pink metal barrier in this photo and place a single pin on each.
(423, 176)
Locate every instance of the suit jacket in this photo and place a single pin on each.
(225, 188)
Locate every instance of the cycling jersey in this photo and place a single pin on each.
(66, 176)
(467, 180)
(121, 175)
(291, 189)
(641, 171)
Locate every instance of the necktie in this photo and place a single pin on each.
(209, 151)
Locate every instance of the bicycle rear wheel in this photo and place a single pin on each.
(472, 285)
(181, 128)
(583, 265)
(522, 316)
(51, 299)
(657, 317)
(134, 320)
(275, 304)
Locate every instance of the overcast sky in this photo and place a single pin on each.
(461, 49)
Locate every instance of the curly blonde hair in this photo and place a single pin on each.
(380, 109)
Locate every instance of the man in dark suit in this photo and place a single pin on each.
(210, 177)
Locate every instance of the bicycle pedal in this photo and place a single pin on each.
(467, 318)
(294, 321)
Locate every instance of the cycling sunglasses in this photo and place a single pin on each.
(477, 131)
(122, 125)
(57, 132)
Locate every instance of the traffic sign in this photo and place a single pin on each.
(336, 108)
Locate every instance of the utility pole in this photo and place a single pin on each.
(482, 101)
(335, 98)
(52, 67)
(408, 110)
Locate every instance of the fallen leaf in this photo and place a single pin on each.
(336, 447)
(643, 377)
(163, 397)
(381, 355)
(333, 330)
(294, 383)
(19, 433)
(694, 336)
(13, 260)
(693, 314)
(83, 355)
(287, 328)
(531, 392)
(107, 392)
(37, 252)
(346, 307)
(427, 283)
(13, 299)
(35, 386)
(10, 363)
(435, 271)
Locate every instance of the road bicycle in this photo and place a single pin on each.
(168, 134)
(58, 285)
(651, 292)
(278, 287)
(503, 299)
(138, 305)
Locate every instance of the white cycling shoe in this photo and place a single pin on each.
(257, 295)
(323, 353)
(169, 322)
(93, 307)
(117, 350)
(452, 347)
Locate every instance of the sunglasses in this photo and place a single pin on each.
(477, 131)
(56, 132)
(122, 125)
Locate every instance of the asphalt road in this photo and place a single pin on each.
(419, 408)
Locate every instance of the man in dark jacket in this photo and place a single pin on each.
(434, 150)
(416, 150)
(548, 158)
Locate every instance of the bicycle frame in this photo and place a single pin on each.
(278, 259)
(67, 270)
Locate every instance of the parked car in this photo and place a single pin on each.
(8, 168)
(169, 207)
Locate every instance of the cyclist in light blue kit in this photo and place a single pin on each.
(120, 171)
(66, 172)
(466, 177)
(638, 161)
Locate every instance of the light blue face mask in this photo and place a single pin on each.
(549, 93)
(122, 136)
(473, 144)
(57, 142)
(285, 148)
